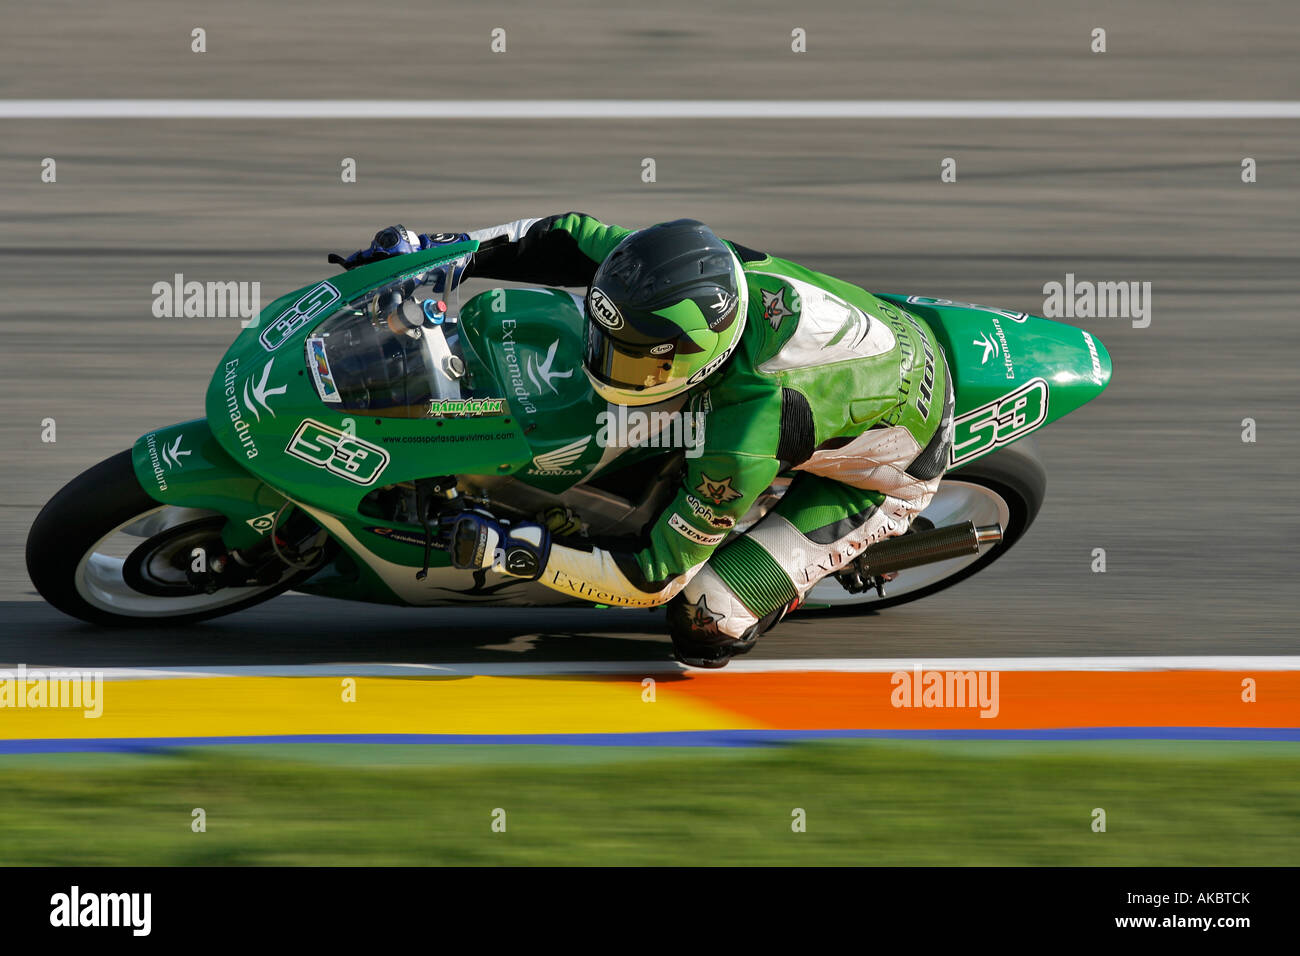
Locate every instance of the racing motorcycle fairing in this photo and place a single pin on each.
(350, 390)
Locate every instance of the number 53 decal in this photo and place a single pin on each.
(315, 301)
(1002, 420)
(338, 452)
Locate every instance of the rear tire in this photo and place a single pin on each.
(79, 580)
(1017, 477)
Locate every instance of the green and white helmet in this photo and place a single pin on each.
(665, 310)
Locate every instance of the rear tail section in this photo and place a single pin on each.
(1012, 373)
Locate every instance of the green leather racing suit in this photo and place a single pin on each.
(846, 393)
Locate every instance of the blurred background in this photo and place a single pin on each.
(1200, 529)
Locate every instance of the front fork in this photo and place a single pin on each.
(295, 541)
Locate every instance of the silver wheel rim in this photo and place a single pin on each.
(954, 502)
(100, 581)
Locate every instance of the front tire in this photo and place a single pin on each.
(103, 551)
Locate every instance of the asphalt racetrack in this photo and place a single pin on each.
(1199, 528)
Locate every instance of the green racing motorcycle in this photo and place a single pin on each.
(357, 415)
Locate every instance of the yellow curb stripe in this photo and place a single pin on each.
(256, 706)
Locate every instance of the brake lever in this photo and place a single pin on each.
(432, 531)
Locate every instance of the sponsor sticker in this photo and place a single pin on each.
(712, 367)
(925, 387)
(1096, 358)
(701, 510)
(396, 534)
(243, 431)
(996, 347)
(540, 372)
(690, 532)
(591, 592)
(262, 523)
(561, 460)
(319, 364)
(704, 619)
(509, 352)
(521, 562)
(257, 394)
(163, 458)
(774, 307)
(173, 453)
(465, 407)
(716, 490)
(722, 306)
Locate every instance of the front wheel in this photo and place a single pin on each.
(104, 551)
(1005, 488)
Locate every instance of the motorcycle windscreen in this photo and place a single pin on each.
(384, 356)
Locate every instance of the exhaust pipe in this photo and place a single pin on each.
(925, 547)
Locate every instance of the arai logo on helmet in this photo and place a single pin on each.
(712, 367)
(603, 310)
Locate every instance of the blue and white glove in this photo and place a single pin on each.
(399, 241)
(478, 540)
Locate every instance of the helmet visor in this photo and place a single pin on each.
(628, 366)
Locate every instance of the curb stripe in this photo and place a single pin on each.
(698, 738)
(543, 109)
(548, 708)
(651, 667)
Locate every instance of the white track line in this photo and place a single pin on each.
(648, 109)
(562, 668)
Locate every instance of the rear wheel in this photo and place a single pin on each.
(1006, 488)
(104, 551)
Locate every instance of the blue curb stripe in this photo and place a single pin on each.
(688, 738)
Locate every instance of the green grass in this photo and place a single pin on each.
(871, 802)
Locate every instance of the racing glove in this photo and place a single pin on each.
(399, 241)
(477, 540)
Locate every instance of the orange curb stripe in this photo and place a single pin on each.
(1026, 699)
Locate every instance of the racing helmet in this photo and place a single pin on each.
(664, 311)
